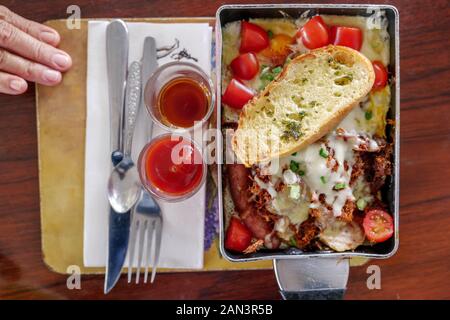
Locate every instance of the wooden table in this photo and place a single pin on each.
(419, 270)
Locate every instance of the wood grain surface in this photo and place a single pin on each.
(419, 270)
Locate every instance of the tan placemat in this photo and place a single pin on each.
(61, 117)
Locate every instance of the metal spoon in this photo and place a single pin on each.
(124, 185)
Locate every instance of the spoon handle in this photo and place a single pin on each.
(132, 102)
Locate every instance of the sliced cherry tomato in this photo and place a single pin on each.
(279, 48)
(238, 236)
(253, 38)
(346, 36)
(237, 94)
(378, 225)
(314, 34)
(381, 75)
(245, 66)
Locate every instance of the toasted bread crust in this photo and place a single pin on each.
(327, 125)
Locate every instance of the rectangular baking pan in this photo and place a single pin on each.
(229, 13)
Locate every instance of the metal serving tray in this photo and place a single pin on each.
(231, 13)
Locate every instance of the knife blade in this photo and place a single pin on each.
(149, 65)
(119, 223)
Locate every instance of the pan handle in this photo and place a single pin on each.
(312, 278)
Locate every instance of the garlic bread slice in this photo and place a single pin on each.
(309, 98)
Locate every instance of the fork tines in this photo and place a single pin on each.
(146, 228)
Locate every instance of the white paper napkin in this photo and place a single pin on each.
(183, 223)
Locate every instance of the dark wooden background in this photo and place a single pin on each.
(419, 270)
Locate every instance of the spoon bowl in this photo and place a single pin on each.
(124, 186)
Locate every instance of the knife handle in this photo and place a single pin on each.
(117, 65)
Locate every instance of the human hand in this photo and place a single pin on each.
(28, 52)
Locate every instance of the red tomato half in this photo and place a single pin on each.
(381, 75)
(253, 38)
(236, 94)
(314, 33)
(238, 236)
(245, 66)
(378, 225)
(346, 36)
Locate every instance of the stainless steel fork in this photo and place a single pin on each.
(146, 225)
(145, 237)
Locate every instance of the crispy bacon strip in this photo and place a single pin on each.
(307, 231)
(255, 246)
(347, 211)
(382, 167)
(376, 165)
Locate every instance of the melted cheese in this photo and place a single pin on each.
(319, 174)
(295, 209)
(269, 187)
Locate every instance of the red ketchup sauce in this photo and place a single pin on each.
(183, 101)
(173, 167)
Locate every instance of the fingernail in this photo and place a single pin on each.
(61, 60)
(49, 37)
(51, 75)
(17, 85)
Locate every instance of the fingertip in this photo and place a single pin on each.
(50, 36)
(62, 61)
(51, 77)
(18, 85)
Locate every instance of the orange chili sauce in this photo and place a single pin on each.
(182, 101)
(166, 174)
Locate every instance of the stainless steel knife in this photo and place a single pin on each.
(119, 223)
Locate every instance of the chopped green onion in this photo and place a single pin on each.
(293, 242)
(267, 76)
(294, 165)
(323, 179)
(323, 153)
(270, 34)
(368, 115)
(301, 173)
(294, 191)
(277, 70)
(270, 75)
(361, 204)
(339, 186)
(294, 154)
